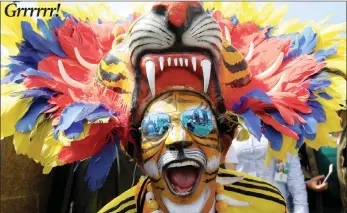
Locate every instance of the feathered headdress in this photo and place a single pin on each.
(58, 110)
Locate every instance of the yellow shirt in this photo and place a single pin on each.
(264, 197)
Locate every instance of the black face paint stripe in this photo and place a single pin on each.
(240, 66)
(120, 204)
(212, 173)
(209, 146)
(255, 194)
(211, 179)
(150, 148)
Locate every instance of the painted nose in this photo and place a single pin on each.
(179, 12)
(176, 136)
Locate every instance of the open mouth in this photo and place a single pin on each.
(182, 178)
(155, 64)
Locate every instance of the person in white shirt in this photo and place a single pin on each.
(231, 159)
(249, 157)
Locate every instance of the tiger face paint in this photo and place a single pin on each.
(181, 151)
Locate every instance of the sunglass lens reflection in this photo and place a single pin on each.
(198, 121)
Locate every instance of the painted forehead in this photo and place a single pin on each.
(177, 101)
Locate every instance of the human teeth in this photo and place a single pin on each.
(181, 62)
(161, 63)
(194, 63)
(169, 61)
(150, 71)
(186, 62)
(186, 163)
(175, 62)
(206, 69)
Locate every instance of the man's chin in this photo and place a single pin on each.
(194, 203)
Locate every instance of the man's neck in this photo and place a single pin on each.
(204, 204)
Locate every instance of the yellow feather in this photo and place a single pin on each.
(276, 16)
(337, 64)
(22, 141)
(4, 71)
(288, 145)
(266, 10)
(12, 108)
(322, 138)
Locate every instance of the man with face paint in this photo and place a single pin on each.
(182, 164)
(169, 87)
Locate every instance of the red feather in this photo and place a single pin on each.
(268, 119)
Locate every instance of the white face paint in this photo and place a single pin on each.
(151, 168)
(195, 207)
(213, 163)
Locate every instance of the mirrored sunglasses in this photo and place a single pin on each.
(196, 121)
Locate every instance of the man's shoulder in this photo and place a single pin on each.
(125, 202)
(262, 195)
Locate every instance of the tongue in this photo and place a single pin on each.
(183, 177)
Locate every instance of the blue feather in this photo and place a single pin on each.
(312, 96)
(100, 165)
(34, 38)
(321, 74)
(38, 93)
(253, 123)
(33, 72)
(256, 94)
(27, 122)
(310, 128)
(78, 112)
(38, 42)
(318, 83)
(100, 112)
(291, 36)
(303, 44)
(234, 20)
(75, 130)
(325, 96)
(68, 116)
(55, 22)
(275, 138)
(14, 76)
(87, 109)
(318, 112)
(45, 31)
(322, 54)
(300, 141)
